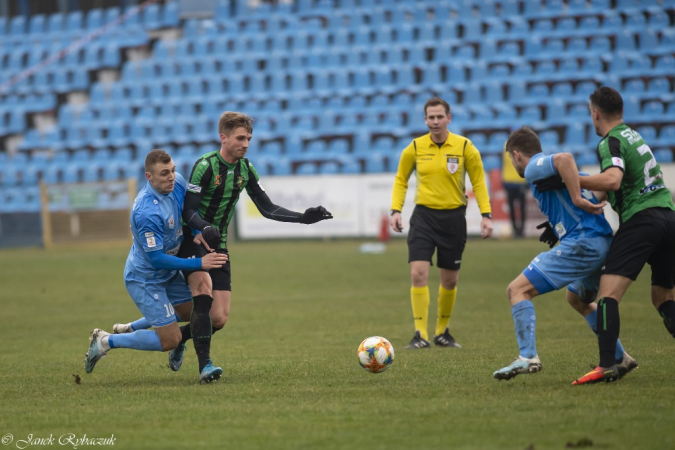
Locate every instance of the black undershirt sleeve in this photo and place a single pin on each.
(190, 215)
(271, 211)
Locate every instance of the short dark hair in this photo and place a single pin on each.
(525, 140)
(230, 121)
(608, 101)
(154, 157)
(435, 101)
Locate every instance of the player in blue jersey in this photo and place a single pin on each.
(575, 218)
(152, 272)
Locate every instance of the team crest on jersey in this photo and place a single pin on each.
(218, 180)
(172, 223)
(240, 181)
(453, 165)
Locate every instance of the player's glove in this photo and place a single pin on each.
(548, 236)
(552, 183)
(211, 236)
(314, 215)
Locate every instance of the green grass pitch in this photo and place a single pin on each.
(291, 375)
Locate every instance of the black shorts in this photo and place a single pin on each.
(442, 229)
(647, 237)
(221, 278)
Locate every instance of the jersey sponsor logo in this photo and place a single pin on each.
(651, 188)
(194, 188)
(149, 234)
(230, 172)
(631, 135)
(616, 161)
(240, 181)
(453, 165)
(218, 180)
(560, 230)
(151, 242)
(172, 222)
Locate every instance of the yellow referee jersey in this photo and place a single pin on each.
(441, 173)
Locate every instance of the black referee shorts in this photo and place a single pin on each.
(647, 237)
(442, 229)
(221, 278)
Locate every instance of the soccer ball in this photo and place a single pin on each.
(376, 354)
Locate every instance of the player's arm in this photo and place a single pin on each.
(272, 211)
(199, 180)
(474, 167)
(567, 168)
(151, 229)
(406, 165)
(612, 167)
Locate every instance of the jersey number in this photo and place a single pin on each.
(649, 165)
(169, 310)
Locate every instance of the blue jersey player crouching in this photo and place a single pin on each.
(152, 271)
(575, 218)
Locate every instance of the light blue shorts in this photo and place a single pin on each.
(575, 263)
(156, 300)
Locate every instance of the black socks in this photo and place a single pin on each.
(200, 328)
(608, 326)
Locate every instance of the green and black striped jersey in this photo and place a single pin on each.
(642, 185)
(219, 184)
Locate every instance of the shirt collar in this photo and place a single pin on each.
(157, 195)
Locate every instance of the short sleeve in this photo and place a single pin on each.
(609, 151)
(149, 226)
(539, 168)
(200, 176)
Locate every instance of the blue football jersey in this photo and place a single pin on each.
(567, 220)
(156, 226)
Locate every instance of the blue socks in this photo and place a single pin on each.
(524, 319)
(138, 340)
(140, 324)
(592, 322)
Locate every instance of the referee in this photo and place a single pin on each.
(441, 161)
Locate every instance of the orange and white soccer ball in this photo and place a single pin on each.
(376, 354)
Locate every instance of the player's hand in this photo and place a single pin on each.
(314, 215)
(548, 236)
(214, 260)
(588, 206)
(211, 236)
(199, 239)
(485, 228)
(396, 223)
(552, 183)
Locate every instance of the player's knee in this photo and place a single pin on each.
(202, 289)
(219, 320)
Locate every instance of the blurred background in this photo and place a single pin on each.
(337, 88)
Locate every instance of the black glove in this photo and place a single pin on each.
(211, 236)
(552, 183)
(314, 215)
(548, 236)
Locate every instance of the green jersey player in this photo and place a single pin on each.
(636, 190)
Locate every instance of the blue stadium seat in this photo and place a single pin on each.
(663, 155)
(306, 168)
(653, 111)
(647, 132)
(666, 136)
